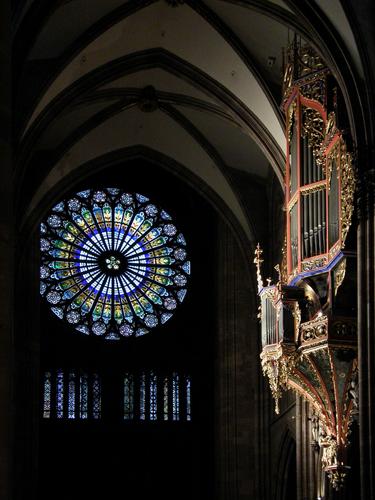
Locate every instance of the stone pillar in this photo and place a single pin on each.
(366, 330)
(6, 258)
(238, 404)
(306, 460)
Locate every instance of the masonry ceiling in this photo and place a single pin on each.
(215, 69)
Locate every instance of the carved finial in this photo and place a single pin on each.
(258, 261)
(279, 276)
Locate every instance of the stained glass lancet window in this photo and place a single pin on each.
(83, 396)
(142, 397)
(160, 396)
(96, 397)
(188, 397)
(153, 396)
(165, 399)
(175, 397)
(60, 394)
(128, 397)
(72, 395)
(47, 395)
(76, 395)
(113, 263)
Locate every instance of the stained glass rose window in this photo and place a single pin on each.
(113, 264)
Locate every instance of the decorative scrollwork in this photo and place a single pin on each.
(347, 191)
(344, 328)
(313, 129)
(258, 262)
(311, 265)
(291, 119)
(314, 329)
(277, 365)
(339, 274)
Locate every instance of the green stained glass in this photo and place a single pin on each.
(112, 263)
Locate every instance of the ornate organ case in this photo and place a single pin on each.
(308, 317)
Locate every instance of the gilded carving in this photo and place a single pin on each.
(333, 156)
(291, 119)
(344, 328)
(288, 77)
(313, 129)
(337, 477)
(284, 267)
(310, 61)
(277, 365)
(311, 265)
(317, 186)
(334, 250)
(347, 191)
(314, 329)
(339, 274)
(258, 262)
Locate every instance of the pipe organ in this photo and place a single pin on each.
(308, 318)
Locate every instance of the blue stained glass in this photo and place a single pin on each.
(99, 196)
(73, 317)
(188, 398)
(112, 263)
(153, 396)
(140, 332)
(83, 329)
(44, 244)
(54, 221)
(44, 272)
(151, 210)
(126, 330)
(127, 199)
(113, 191)
(180, 254)
(181, 239)
(165, 399)
(112, 336)
(96, 398)
(71, 395)
(128, 397)
(165, 317)
(59, 207)
(170, 304)
(58, 311)
(83, 396)
(186, 267)
(60, 394)
(74, 204)
(170, 229)
(84, 194)
(141, 198)
(47, 395)
(142, 397)
(99, 328)
(180, 280)
(181, 294)
(175, 397)
(165, 215)
(151, 320)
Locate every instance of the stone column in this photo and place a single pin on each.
(6, 258)
(238, 405)
(366, 330)
(306, 460)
